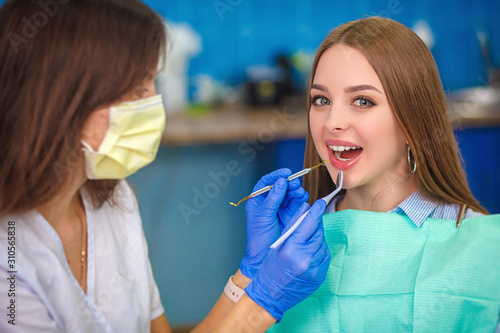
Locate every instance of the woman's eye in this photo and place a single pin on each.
(363, 102)
(320, 101)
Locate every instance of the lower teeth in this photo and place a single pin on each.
(337, 155)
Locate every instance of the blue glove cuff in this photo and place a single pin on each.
(258, 295)
(246, 270)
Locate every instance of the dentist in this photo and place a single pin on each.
(79, 113)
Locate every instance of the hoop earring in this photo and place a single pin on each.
(414, 167)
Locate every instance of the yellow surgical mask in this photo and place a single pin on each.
(131, 141)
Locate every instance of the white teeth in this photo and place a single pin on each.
(339, 149)
(342, 148)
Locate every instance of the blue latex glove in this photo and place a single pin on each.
(294, 270)
(267, 215)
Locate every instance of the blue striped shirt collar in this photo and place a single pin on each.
(417, 207)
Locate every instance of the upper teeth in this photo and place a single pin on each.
(342, 148)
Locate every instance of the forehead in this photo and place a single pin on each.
(344, 65)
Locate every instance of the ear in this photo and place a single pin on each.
(95, 128)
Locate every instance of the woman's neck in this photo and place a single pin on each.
(61, 208)
(381, 197)
(67, 203)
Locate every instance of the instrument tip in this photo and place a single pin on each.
(236, 204)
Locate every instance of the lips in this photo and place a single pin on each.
(343, 154)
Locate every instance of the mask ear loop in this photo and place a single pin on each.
(86, 145)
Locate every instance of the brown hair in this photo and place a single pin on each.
(61, 60)
(411, 81)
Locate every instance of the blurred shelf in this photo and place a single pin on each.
(238, 123)
(475, 107)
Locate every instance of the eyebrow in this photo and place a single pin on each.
(319, 87)
(347, 90)
(361, 87)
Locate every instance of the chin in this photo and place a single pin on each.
(349, 180)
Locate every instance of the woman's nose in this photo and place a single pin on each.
(337, 119)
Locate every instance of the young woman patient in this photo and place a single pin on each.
(412, 249)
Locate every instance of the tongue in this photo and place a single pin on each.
(351, 153)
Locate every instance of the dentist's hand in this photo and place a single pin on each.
(294, 270)
(267, 215)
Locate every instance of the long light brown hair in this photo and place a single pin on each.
(411, 81)
(59, 62)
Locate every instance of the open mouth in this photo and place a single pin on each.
(345, 153)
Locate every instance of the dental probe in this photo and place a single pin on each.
(267, 188)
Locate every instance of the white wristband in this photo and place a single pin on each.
(233, 291)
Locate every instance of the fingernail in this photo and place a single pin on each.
(280, 183)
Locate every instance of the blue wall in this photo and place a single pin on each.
(253, 32)
(239, 33)
(480, 149)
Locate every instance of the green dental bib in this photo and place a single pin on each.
(388, 275)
